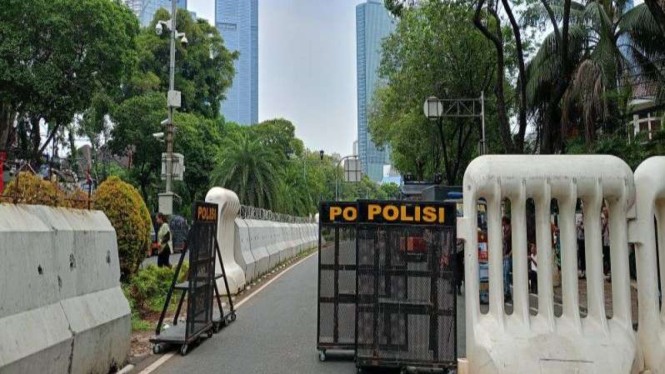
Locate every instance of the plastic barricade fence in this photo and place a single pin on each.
(649, 244)
(521, 343)
(229, 207)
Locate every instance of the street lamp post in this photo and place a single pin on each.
(173, 102)
(336, 178)
(436, 109)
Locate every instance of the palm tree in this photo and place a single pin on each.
(584, 84)
(249, 169)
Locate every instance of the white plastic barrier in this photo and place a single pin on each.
(258, 241)
(243, 250)
(650, 186)
(229, 206)
(282, 241)
(61, 306)
(520, 343)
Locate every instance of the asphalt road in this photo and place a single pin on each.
(275, 333)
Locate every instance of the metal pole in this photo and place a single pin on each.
(169, 126)
(483, 149)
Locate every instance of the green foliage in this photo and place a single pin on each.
(31, 189)
(130, 218)
(250, 169)
(204, 68)
(148, 288)
(55, 54)
(435, 51)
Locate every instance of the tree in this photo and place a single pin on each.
(54, 55)
(459, 64)
(249, 169)
(204, 68)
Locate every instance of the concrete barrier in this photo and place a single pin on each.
(649, 249)
(258, 243)
(62, 307)
(273, 246)
(520, 343)
(243, 250)
(229, 206)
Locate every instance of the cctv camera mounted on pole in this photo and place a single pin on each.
(173, 101)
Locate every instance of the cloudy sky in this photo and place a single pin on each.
(307, 67)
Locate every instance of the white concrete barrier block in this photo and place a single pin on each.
(62, 307)
(258, 244)
(273, 247)
(229, 207)
(243, 250)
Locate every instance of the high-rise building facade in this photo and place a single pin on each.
(145, 9)
(238, 22)
(373, 24)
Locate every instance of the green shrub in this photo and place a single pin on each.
(31, 189)
(130, 218)
(148, 288)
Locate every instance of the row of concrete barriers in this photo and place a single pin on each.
(252, 247)
(61, 306)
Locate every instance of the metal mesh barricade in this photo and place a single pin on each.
(337, 282)
(406, 298)
(201, 275)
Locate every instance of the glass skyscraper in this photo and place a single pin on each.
(238, 22)
(145, 9)
(373, 24)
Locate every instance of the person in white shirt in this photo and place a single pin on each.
(165, 241)
(533, 269)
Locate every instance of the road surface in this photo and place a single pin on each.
(275, 333)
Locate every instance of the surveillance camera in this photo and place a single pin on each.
(159, 29)
(158, 135)
(184, 41)
(164, 122)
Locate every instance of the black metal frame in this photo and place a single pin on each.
(401, 306)
(213, 321)
(337, 298)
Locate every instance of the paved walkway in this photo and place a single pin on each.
(275, 333)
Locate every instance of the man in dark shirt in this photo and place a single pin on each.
(507, 257)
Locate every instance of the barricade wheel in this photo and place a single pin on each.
(233, 316)
(216, 327)
(157, 349)
(322, 356)
(210, 332)
(183, 349)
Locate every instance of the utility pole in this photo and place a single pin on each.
(173, 101)
(169, 125)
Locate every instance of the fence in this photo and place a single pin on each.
(498, 342)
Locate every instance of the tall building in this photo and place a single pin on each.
(145, 9)
(373, 24)
(238, 22)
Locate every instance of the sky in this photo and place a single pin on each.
(307, 67)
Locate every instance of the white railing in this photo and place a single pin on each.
(650, 185)
(522, 343)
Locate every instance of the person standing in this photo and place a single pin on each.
(606, 242)
(581, 256)
(533, 269)
(165, 241)
(507, 257)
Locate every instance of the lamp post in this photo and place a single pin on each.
(436, 109)
(173, 102)
(350, 157)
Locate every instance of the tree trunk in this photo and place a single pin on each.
(6, 122)
(497, 40)
(519, 144)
